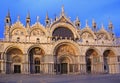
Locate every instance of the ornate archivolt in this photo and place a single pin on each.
(109, 56)
(92, 55)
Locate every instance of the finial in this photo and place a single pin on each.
(38, 18)
(77, 19)
(94, 24)
(93, 21)
(102, 26)
(86, 23)
(62, 9)
(18, 18)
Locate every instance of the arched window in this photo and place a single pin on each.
(62, 32)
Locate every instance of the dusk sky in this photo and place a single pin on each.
(100, 10)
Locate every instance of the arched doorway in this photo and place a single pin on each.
(91, 61)
(65, 55)
(14, 60)
(109, 60)
(35, 56)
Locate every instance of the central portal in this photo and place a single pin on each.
(17, 69)
(64, 63)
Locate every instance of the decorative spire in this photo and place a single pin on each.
(8, 19)
(77, 22)
(47, 18)
(110, 26)
(28, 20)
(94, 25)
(28, 15)
(8, 14)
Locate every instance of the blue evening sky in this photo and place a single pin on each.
(100, 10)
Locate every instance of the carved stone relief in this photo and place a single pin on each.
(18, 32)
(87, 35)
(37, 32)
(65, 50)
(102, 36)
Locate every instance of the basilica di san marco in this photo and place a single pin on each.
(61, 46)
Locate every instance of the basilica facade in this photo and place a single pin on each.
(59, 47)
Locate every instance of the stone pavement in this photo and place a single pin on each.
(36, 78)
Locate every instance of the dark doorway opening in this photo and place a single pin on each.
(37, 69)
(17, 69)
(88, 65)
(64, 68)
